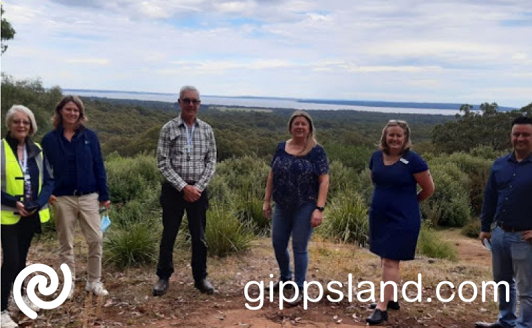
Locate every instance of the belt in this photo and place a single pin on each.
(79, 193)
(510, 229)
(191, 182)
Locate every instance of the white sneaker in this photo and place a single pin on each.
(7, 322)
(29, 303)
(96, 288)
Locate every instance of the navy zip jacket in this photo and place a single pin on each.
(90, 172)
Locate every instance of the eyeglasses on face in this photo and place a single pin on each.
(23, 122)
(189, 101)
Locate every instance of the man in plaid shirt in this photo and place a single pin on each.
(186, 157)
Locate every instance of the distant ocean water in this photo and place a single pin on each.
(257, 102)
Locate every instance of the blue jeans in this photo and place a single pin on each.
(512, 262)
(294, 222)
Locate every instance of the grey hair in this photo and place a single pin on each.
(188, 88)
(25, 110)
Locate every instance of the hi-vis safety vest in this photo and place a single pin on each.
(13, 184)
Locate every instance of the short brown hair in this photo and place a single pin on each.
(58, 118)
(403, 125)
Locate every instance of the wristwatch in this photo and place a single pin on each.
(320, 208)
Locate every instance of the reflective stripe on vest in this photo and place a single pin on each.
(13, 183)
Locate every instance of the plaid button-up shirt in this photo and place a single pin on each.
(179, 164)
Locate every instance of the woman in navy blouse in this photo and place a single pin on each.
(298, 182)
(394, 217)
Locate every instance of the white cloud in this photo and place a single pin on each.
(95, 61)
(453, 50)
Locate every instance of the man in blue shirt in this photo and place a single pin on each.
(508, 203)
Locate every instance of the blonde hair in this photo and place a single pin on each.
(403, 125)
(25, 110)
(311, 140)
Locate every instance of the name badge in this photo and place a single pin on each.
(404, 160)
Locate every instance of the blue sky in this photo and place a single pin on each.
(464, 51)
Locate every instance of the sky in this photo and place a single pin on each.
(451, 51)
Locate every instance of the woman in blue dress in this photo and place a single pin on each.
(298, 182)
(394, 217)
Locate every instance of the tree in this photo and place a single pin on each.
(8, 33)
(471, 130)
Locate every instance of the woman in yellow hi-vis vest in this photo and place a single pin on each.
(27, 184)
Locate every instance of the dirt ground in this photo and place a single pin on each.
(131, 304)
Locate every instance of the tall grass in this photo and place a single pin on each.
(133, 245)
(225, 234)
(249, 212)
(347, 219)
(430, 244)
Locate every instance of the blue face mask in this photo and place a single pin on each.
(106, 222)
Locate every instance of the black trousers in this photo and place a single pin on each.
(16, 242)
(174, 207)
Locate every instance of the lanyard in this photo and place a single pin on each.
(189, 138)
(24, 161)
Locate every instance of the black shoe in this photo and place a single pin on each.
(377, 317)
(204, 286)
(276, 287)
(390, 306)
(160, 288)
(488, 325)
(298, 299)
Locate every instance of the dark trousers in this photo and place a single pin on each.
(174, 207)
(16, 242)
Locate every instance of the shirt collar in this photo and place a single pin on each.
(511, 157)
(180, 121)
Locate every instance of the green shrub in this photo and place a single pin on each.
(342, 178)
(355, 157)
(472, 229)
(133, 245)
(449, 205)
(245, 175)
(477, 170)
(134, 212)
(249, 212)
(429, 244)
(132, 178)
(224, 233)
(219, 191)
(486, 152)
(346, 220)
(365, 186)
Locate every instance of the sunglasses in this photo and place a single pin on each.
(189, 101)
(397, 121)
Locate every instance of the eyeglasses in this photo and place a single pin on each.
(18, 122)
(189, 101)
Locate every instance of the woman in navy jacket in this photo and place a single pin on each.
(81, 186)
